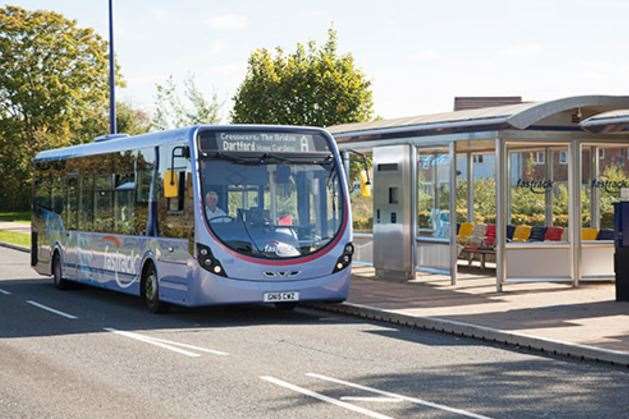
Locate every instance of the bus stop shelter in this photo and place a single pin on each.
(529, 185)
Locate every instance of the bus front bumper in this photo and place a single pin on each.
(217, 290)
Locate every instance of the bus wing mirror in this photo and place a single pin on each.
(171, 184)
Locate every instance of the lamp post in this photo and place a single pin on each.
(112, 79)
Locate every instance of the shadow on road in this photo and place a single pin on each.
(528, 388)
(98, 308)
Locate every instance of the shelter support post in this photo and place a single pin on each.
(454, 251)
(549, 171)
(501, 215)
(595, 195)
(469, 178)
(574, 210)
(346, 166)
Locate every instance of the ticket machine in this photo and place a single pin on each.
(394, 219)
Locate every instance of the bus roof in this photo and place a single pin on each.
(150, 139)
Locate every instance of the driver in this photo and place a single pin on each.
(212, 211)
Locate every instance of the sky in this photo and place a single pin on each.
(417, 54)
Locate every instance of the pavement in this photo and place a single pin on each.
(93, 353)
(584, 322)
(19, 227)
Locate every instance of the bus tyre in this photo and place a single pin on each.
(150, 290)
(286, 306)
(57, 274)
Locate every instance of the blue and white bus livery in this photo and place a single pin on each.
(198, 216)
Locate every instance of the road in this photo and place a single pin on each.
(94, 353)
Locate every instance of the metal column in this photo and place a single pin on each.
(454, 251)
(595, 192)
(469, 175)
(346, 166)
(501, 201)
(548, 193)
(574, 210)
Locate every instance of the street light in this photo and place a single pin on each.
(112, 87)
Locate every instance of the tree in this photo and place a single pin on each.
(53, 92)
(311, 86)
(172, 112)
(130, 120)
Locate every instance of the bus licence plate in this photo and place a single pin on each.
(276, 297)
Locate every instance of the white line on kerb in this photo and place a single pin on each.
(166, 344)
(5, 292)
(324, 398)
(52, 310)
(400, 396)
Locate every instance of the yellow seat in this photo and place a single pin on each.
(522, 233)
(589, 233)
(465, 232)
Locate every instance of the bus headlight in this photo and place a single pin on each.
(208, 262)
(345, 259)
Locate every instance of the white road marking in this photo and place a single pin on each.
(324, 398)
(400, 396)
(196, 348)
(52, 310)
(5, 292)
(166, 344)
(372, 399)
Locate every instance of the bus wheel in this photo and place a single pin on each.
(57, 274)
(286, 306)
(150, 291)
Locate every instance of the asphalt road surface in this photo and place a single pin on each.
(94, 353)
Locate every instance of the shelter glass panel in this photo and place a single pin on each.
(538, 192)
(433, 193)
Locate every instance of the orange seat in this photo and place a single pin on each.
(465, 232)
(589, 233)
(522, 233)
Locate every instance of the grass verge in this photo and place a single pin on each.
(20, 239)
(17, 216)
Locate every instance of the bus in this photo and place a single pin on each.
(197, 216)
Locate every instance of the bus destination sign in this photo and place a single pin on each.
(269, 142)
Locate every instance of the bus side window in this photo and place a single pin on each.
(72, 202)
(144, 168)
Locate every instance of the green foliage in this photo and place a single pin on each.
(173, 112)
(16, 216)
(130, 120)
(311, 86)
(53, 92)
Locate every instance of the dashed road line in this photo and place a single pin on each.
(166, 344)
(52, 310)
(399, 396)
(324, 398)
(372, 399)
(5, 292)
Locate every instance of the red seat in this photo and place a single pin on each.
(554, 234)
(490, 236)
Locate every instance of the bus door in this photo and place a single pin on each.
(175, 220)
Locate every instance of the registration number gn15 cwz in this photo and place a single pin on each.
(277, 297)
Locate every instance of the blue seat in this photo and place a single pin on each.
(605, 234)
(537, 234)
(510, 231)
